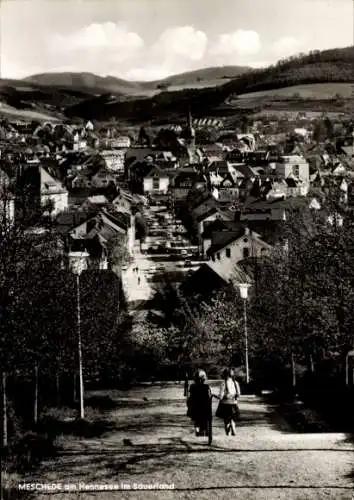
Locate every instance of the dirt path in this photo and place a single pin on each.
(150, 442)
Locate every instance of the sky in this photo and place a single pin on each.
(152, 39)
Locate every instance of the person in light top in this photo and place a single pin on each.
(228, 407)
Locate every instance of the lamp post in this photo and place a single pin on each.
(78, 262)
(243, 287)
(349, 356)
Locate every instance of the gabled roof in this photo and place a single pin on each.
(219, 225)
(211, 210)
(156, 172)
(223, 238)
(287, 204)
(207, 280)
(204, 206)
(121, 219)
(244, 170)
(228, 178)
(204, 281)
(347, 150)
(49, 184)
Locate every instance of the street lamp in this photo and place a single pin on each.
(347, 363)
(78, 262)
(243, 287)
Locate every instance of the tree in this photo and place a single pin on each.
(140, 227)
(205, 136)
(328, 127)
(244, 124)
(319, 132)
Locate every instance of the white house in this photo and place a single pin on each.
(114, 159)
(52, 191)
(229, 248)
(156, 181)
(123, 141)
(293, 165)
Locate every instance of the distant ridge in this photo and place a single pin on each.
(214, 92)
(329, 66)
(90, 81)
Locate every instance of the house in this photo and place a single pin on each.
(99, 234)
(213, 227)
(103, 178)
(137, 154)
(123, 201)
(245, 187)
(339, 169)
(293, 165)
(217, 171)
(227, 190)
(137, 172)
(228, 248)
(184, 181)
(125, 220)
(94, 203)
(213, 152)
(156, 181)
(204, 205)
(207, 280)
(115, 160)
(212, 214)
(165, 159)
(271, 210)
(121, 142)
(295, 187)
(68, 220)
(53, 193)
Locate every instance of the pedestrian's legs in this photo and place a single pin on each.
(233, 427)
(227, 427)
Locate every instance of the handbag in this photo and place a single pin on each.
(220, 410)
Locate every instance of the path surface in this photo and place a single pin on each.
(151, 441)
(135, 284)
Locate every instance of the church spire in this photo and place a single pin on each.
(190, 128)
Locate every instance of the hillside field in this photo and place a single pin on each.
(310, 91)
(7, 111)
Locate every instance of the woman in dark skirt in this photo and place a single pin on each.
(199, 403)
(228, 407)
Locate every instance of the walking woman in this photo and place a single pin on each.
(199, 403)
(228, 407)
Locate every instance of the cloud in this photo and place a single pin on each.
(238, 43)
(287, 46)
(183, 42)
(176, 49)
(106, 38)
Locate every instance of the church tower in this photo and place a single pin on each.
(191, 131)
